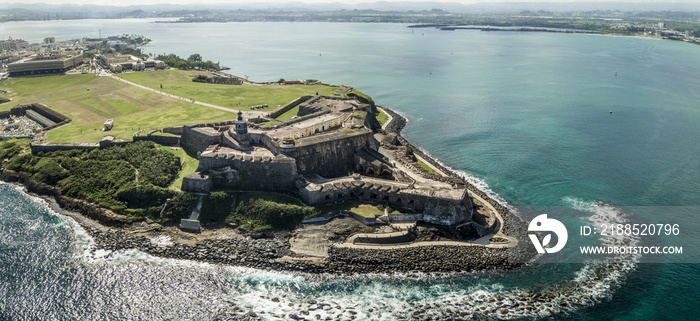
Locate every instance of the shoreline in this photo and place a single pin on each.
(242, 248)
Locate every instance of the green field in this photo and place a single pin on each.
(89, 101)
(179, 82)
(189, 165)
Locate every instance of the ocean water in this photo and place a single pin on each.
(524, 115)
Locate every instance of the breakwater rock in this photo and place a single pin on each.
(426, 258)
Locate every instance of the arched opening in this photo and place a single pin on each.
(341, 196)
(386, 175)
(385, 198)
(323, 127)
(398, 202)
(373, 197)
(361, 195)
(369, 171)
(328, 197)
(352, 194)
(411, 203)
(317, 131)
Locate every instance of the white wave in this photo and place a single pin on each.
(275, 295)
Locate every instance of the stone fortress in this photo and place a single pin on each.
(329, 153)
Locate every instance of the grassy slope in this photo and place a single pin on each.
(288, 114)
(381, 117)
(130, 107)
(179, 82)
(188, 167)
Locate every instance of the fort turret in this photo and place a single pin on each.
(241, 125)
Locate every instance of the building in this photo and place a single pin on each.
(326, 154)
(118, 63)
(13, 45)
(52, 63)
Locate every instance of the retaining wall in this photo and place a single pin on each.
(281, 110)
(158, 139)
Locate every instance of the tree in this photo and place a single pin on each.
(195, 57)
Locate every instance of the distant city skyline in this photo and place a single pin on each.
(345, 2)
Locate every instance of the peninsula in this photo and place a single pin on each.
(322, 183)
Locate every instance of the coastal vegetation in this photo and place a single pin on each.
(194, 61)
(130, 180)
(255, 210)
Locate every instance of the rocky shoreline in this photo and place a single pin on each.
(115, 232)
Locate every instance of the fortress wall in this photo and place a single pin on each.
(52, 147)
(279, 111)
(255, 173)
(163, 140)
(302, 118)
(197, 183)
(278, 174)
(52, 115)
(197, 139)
(173, 130)
(49, 113)
(429, 208)
(332, 158)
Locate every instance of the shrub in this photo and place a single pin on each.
(217, 206)
(258, 213)
(181, 206)
(49, 171)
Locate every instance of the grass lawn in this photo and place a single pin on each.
(288, 114)
(425, 166)
(90, 100)
(188, 167)
(364, 209)
(131, 108)
(179, 82)
(381, 117)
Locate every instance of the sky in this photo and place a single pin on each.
(146, 2)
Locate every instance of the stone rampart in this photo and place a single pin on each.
(52, 147)
(198, 139)
(332, 158)
(433, 206)
(197, 182)
(281, 110)
(173, 130)
(57, 118)
(160, 139)
(255, 172)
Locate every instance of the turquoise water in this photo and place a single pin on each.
(525, 114)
